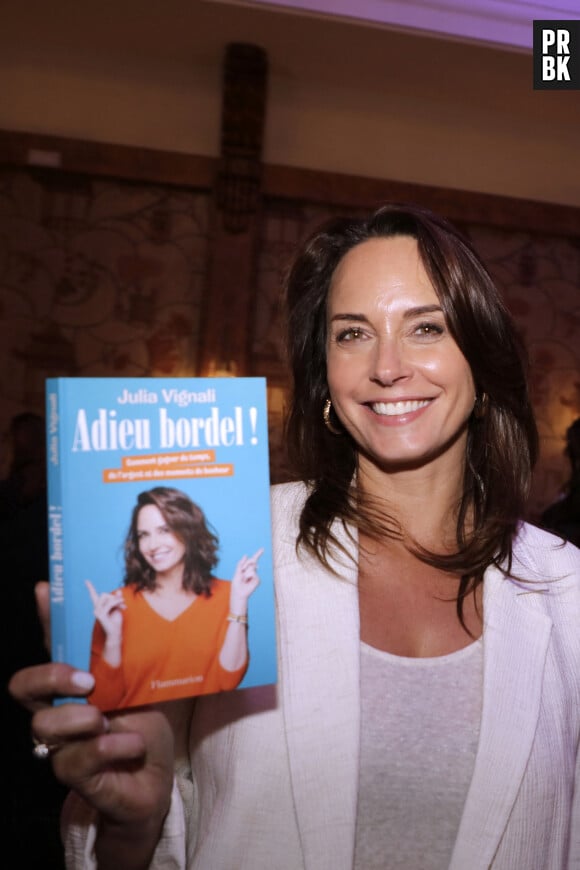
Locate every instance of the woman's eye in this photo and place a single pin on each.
(429, 329)
(350, 334)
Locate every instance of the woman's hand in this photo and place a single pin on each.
(121, 765)
(108, 609)
(244, 582)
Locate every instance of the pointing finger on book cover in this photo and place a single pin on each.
(108, 609)
(244, 582)
(105, 603)
(92, 592)
(254, 559)
(97, 598)
(249, 564)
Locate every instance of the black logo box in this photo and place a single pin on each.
(552, 74)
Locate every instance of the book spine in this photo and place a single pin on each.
(55, 520)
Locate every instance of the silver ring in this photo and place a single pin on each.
(42, 750)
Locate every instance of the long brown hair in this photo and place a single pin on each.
(502, 443)
(187, 522)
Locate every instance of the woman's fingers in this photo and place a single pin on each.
(92, 592)
(256, 556)
(251, 561)
(122, 764)
(38, 686)
(248, 564)
(244, 582)
(107, 607)
(105, 601)
(66, 723)
(250, 570)
(125, 772)
(78, 762)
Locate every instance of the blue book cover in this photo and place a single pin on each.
(160, 535)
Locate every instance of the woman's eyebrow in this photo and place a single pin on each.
(422, 309)
(347, 316)
(417, 311)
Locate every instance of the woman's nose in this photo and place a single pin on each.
(389, 363)
(152, 543)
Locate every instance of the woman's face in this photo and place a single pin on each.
(397, 379)
(158, 545)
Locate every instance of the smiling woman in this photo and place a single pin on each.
(174, 623)
(397, 380)
(399, 308)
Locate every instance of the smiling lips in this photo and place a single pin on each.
(159, 554)
(399, 409)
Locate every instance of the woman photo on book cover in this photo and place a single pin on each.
(427, 713)
(173, 629)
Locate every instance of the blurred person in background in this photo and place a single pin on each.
(563, 516)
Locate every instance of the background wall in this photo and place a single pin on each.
(342, 97)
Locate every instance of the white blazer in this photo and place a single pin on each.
(275, 769)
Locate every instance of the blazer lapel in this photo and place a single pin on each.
(516, 638)
(319, 634)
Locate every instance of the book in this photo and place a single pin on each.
(158, 487)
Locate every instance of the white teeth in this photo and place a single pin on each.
(394, 409)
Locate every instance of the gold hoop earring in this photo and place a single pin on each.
(327, 420)
(480, 407)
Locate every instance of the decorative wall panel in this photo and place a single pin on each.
(97, 277)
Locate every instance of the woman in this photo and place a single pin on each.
(428, 709)
(174, 629)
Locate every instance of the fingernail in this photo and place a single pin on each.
(82, 680)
